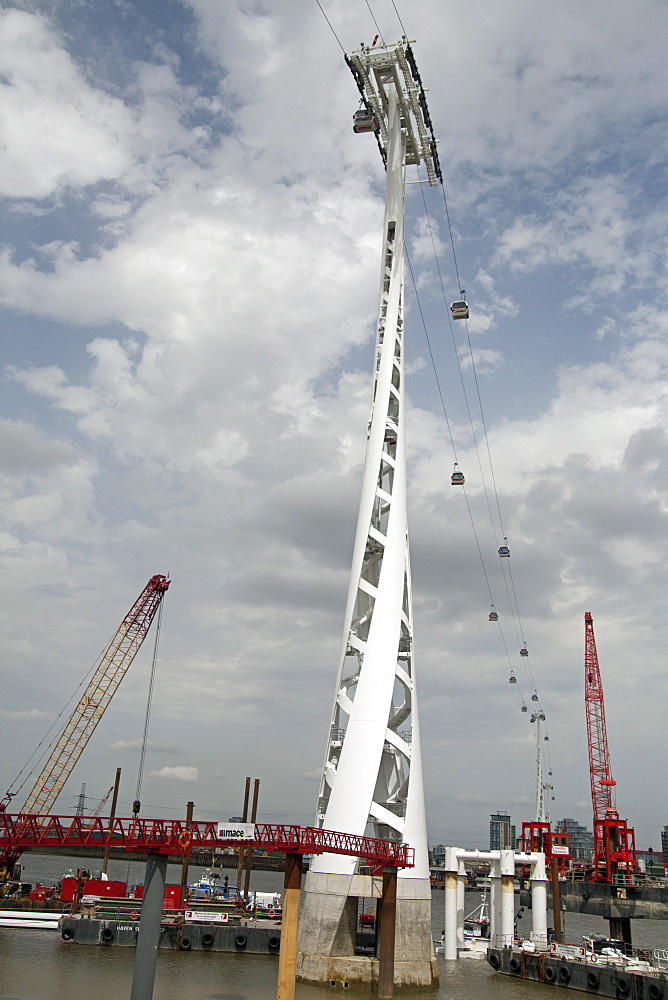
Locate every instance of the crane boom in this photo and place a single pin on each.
(597, 738)
(110, 671)
(614, 840)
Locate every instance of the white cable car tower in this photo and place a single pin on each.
(543, 788)
(372, 777)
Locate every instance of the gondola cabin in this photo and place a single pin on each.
(493, 616)
(512, 679)
(457, 478)
(364, 121)
(524, 651)
(460, 309)
(504, 551)
(534, 697)
(524, 708)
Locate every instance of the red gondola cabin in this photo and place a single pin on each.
(364, 121)
(460, 309)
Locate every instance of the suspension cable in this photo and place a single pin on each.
(140, 774)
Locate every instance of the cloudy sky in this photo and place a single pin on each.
(188, 279)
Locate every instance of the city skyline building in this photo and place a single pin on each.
(502, 833)
(580, 838)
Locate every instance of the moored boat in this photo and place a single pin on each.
(599, 965)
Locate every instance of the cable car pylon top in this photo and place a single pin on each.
(374, 69)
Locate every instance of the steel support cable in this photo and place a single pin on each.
(514, 609)
(399, 19)
(482, 419)
(331, 26)
(445, 414)
(513, 603)
(49, 746)
(431, 354)
(459, 367)
(149, 699)
(373, 16)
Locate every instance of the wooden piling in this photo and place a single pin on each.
(183, 894)
(556, 900)
(388, 917)
(287, 956)
(112, 813)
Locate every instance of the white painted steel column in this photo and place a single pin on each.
(372, 780)
(461, 902)
(507, 868)
(538, 899)
(373, 771)
(450, 941)
(495, 904)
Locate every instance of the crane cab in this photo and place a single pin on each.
(460, 309)
(493, 615)
(524, 651)
(504, 551)
(364, 121)
(457, 478)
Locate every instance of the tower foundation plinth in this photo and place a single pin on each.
(329, 924)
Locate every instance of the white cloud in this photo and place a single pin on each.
(137, 745)
(47, 107)
(179, 773)
(23, 714)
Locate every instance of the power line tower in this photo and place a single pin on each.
(81, 802)
(372, 776)
(614, 840)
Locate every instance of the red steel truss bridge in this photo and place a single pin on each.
(166, 836)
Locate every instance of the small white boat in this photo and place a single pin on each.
(267, 904)
(476, 924)
(214, 886)
(30, 919)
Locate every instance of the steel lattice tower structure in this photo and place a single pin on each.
(614, 840)
(372, 776)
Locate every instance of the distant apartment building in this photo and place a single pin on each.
(437, 856)
(650, 861)
(501, 832)
(664, 844)
(580, 839)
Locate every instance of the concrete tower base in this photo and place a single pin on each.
(328, 932)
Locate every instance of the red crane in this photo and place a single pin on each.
(614, 840)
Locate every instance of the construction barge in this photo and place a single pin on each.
(193, 931)
(599, 966)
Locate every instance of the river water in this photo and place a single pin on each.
(38, 965)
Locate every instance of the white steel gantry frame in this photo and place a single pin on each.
(372, 776)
